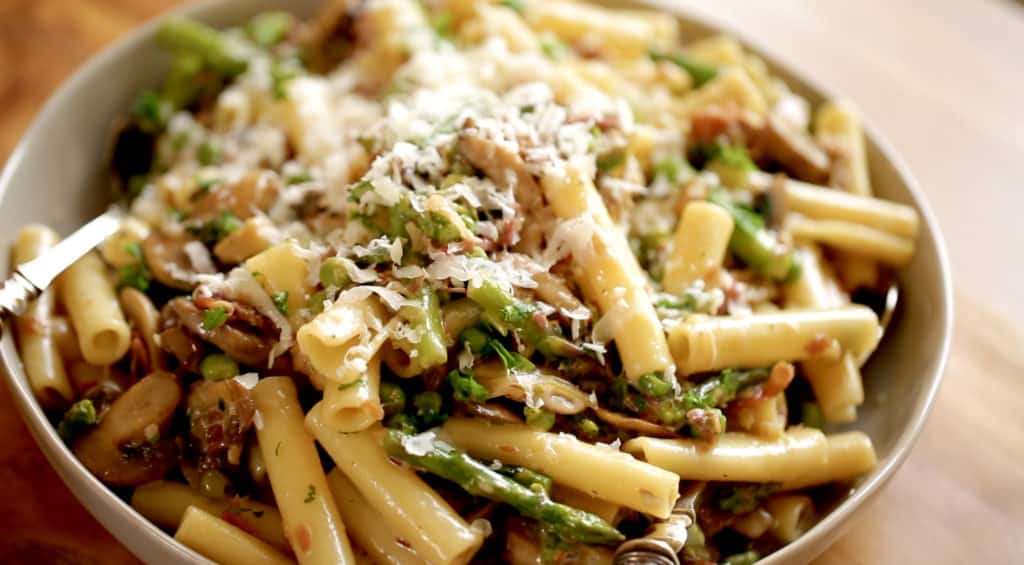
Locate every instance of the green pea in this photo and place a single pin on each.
(214, 484)
(589, 428)
(475, 339)
(654, 385)
(402, 422)
(315, 302)
(538, 418)
(218, 367)
(392, 398)
(429, 406)
(333, 273)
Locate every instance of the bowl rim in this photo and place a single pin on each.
(124, 523)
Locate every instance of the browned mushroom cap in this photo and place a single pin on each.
(247, 336)
(144, 319)
(493, 411)
(630, 423)
(329, 37)
(794, 150)
(167, 261)
(554, 290)
(253, 193)
(127, 447)
(496, 161)
(557, 394)
(220, 416)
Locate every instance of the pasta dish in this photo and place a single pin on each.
(452, 281)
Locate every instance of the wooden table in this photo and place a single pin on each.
(944, 79)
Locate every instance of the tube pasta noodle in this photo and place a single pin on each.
(341, 341)
(610, 475)
(354, 406)
(791, 515)
(409, 507)
(607, 267)
(220, 541)
(311, 521)
(887, 248)
(848, 455)
(710, 343)
(700, 243)
(366, 524)
(836, 382)
(164, 503)
(37, 343)
(487, 242)
(103, 333)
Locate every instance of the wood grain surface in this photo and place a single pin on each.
(944, 79)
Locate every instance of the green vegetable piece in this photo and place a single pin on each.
(151, 111)
(527, 477)
(209, 152)
(475, 339)
(269, 28)
(401, 422)
(744, 498)
(214, 484)
(77, 418)
(182, 35)
(700, 73)
(654, 386)
(588, 428)
(310, 494)
(429, 409)
(216, 229)
(467, 388)
(425, 316)
(504, 312)
(539, 418)
(315, 302)
(392, 398)
(745, 558)
(518, 6)
(282, 71)
(180, 87)
(510, 359)
(442, 23)
(333, 273)
(280, 300)
(553, 48)
(610, 161)
(752, 242)
(480, 480)
(672, 169)
(135, 275)
(218, 367)
(214, 318)
(810, 415)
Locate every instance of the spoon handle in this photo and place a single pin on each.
(30, 279)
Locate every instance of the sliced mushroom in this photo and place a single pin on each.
(554, 290)
(246, 336)
(253, 193)
(497, 162)
(493, 411)
(630, 423)
(167, 260)
(794, 150)
(329, 37)
(557, 394)
(128, 447)
(145, 320)
(183, 346)
(220, 417)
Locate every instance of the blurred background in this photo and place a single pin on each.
(942, 79)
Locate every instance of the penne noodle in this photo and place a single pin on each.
(848, 455)
(354, 406)
(607, 511)
(602, 472)
(819, 202)
(311, 521)
(799, 453)
(410, 508)
(732, 88)
(712, 343)
(164, 503)
(610, 275)
(622, 34)
(38, 342)
(283, 269)
(88, 296)
(837, 123)
(342, 340)
(791, 515)
(226, 544)
(699, 245)
(765, 418)
(889, 249)
(367, 526)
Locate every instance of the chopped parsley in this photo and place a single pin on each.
(442, 23)
(298, 178)
(355, 194)
(654, 385)
(152, 111)
(610, 161)
(214, 318)
(671, 169)
(553, 48)
(699, 72)
(80, 416)
(209, 153)
(310, 494)
(277, 449)
(510, 359)
(280, 301)
(281, 74)
(269, 28)
(216, 229)
(135, 275)
(740, 499)
(518, 6)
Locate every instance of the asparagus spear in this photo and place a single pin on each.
(425, 316)
(755, 244)
(504, 312)
(699, 72)
(479, 480)
(182, 35)
(710, 395)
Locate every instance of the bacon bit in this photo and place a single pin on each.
(819, 344)
(540, 319)
(782, 374)
(706, 422)
(509, 232)
(303, 537)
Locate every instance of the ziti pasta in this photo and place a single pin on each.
(538, 278)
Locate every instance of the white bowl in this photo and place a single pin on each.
(56, 176)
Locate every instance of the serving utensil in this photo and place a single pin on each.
(30, 279)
